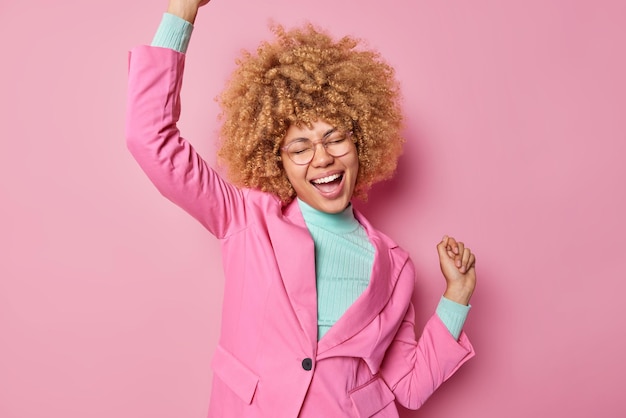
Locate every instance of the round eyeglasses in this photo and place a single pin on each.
(302, 150)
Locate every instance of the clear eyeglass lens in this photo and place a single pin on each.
(301, 152)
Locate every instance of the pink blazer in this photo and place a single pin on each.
(268, 362)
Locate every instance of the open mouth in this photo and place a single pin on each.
(328, 184)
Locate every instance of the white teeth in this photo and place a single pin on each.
(327, 179)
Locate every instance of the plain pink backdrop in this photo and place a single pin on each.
(110, 295)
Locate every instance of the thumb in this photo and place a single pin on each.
(442, 247)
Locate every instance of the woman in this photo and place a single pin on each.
(317, 317)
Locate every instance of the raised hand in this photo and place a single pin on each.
(186, 9)
(458, 265)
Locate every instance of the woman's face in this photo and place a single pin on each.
(327, 182)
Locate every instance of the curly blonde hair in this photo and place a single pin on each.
(302, 77)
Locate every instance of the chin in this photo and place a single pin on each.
(333, 207)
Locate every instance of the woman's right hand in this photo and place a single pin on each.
(186, 9)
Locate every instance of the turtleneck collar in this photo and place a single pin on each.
(339, 223)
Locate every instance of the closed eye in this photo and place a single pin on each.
(335, 140)
(300, 151)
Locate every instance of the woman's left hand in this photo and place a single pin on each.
(458, 265)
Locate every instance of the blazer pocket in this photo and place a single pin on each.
(234, 374)
(372, 398)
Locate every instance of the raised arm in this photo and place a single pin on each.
(153, 110)
(415, 369)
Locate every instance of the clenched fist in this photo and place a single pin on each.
(458, 265)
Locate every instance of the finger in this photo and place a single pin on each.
(442, 248)
(471, 265)
(453, 245)
(472, 262)
(459, 255)
(465, 260)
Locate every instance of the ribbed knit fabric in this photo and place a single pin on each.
(343, 262)
(343, 254)
(173, 33)
(453, 315)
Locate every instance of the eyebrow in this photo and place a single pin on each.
(302, 138)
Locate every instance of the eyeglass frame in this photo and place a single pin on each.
(322, 141)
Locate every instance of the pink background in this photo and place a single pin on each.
(110, 295)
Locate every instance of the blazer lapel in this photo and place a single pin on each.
(372, 301)
(295, 255)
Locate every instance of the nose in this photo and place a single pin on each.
(321, 158)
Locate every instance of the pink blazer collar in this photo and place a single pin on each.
(295, 255)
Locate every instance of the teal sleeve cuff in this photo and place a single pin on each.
(453, 315)
(173, 33)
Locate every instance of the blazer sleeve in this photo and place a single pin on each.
(412, 369)
(152, 136)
